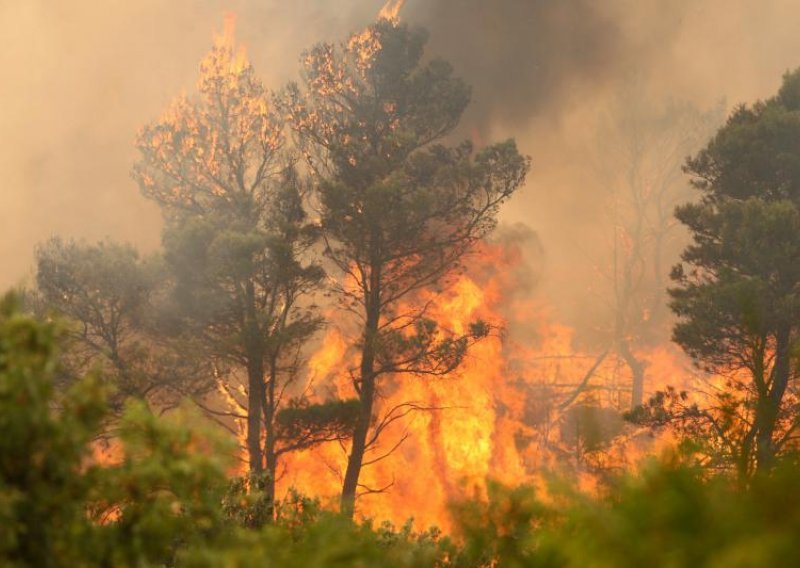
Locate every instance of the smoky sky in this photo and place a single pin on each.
(540, 59)
(523, 57)
(81, 77)
(552, 73)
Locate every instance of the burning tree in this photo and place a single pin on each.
(737, 288)
(399, 210)
(236, 239)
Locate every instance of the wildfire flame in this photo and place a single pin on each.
(366, 43)
(391, 10)
(500, 416)
(227, 41)
(525, 399)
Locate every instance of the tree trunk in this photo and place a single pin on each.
(358, 447)
(255, 385)
(623, 347)
(637, 373)
(366, 399)
(255, 381)
(270, 455)
(768, 406)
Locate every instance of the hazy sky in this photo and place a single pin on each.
(82, 76)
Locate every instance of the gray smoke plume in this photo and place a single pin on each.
(524, 57)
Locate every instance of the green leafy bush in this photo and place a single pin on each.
(168, 502)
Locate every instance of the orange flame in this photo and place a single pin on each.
(391, 10)
(521, 402)
(366, 43)
(227, 42)
(499, 416)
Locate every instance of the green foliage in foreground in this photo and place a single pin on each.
(167, 501)
(57, 507)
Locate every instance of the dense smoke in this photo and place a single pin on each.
(531, 59)
(560, 75)
(81, 79)
(525, 57)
